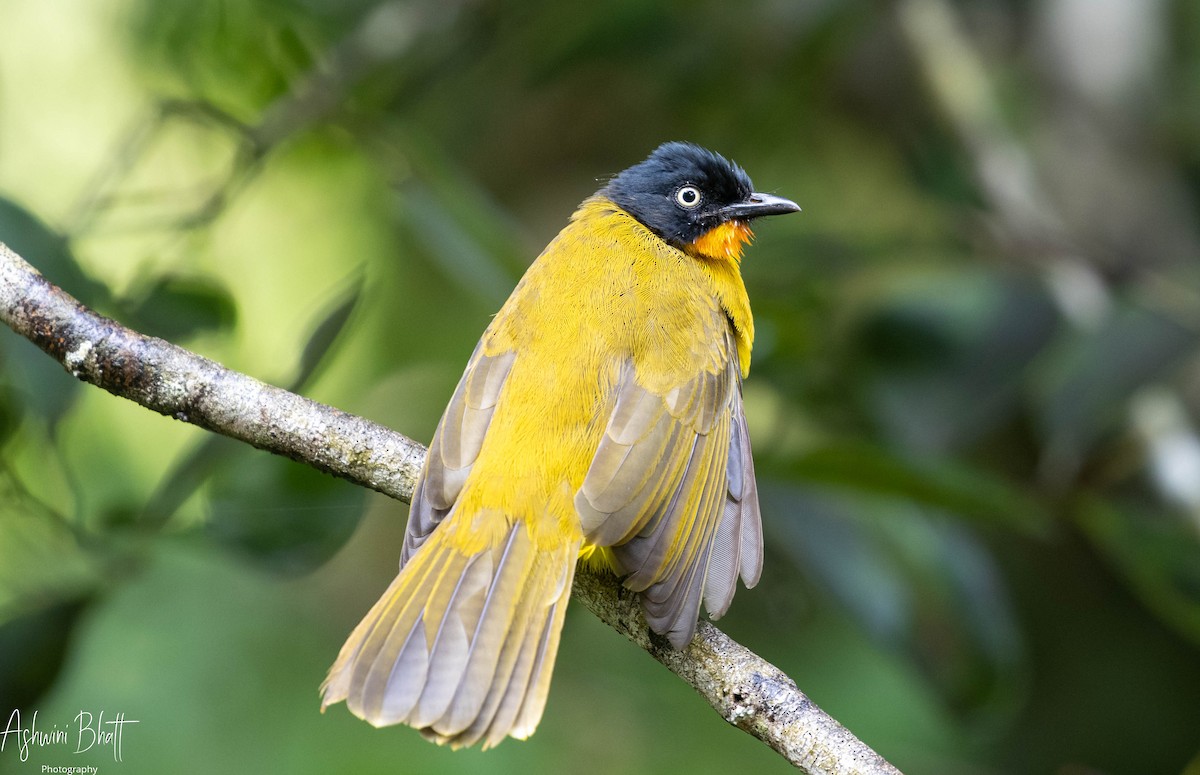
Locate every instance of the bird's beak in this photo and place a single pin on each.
(757, 206)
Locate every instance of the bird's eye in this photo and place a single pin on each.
(688, 196)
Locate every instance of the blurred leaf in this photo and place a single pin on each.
(1157, 551)
(284, 515)
(466, 201)
(825, 536)
(216, 453)
(918, 583)
(177, 307)
(33, 648)
(44, 386)
(946, 354)
(1091, 376)
(49, 252)
(950, 487)
(966, 635)
(327, 330)
(561, 37)
(41, 560)
(452, 246)
(210, 455)
(10, 413)
(236, 55)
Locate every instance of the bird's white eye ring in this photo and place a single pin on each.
(688, 196)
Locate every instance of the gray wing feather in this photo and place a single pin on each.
(751, 535)
(737, 547)
(671, 491)
(455, 446)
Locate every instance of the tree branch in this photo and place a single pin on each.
(744, 689)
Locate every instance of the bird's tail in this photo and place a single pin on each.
(462, 644)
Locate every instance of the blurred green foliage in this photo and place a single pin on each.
(974, 402)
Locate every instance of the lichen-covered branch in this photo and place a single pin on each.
(180, 384)
(743, 688)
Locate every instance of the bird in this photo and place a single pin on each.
(599, 421)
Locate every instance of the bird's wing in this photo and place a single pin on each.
(456, 444)
(671, 490)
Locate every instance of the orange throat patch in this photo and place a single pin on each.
(724, 242)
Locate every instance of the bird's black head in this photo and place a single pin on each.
(683, 193)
